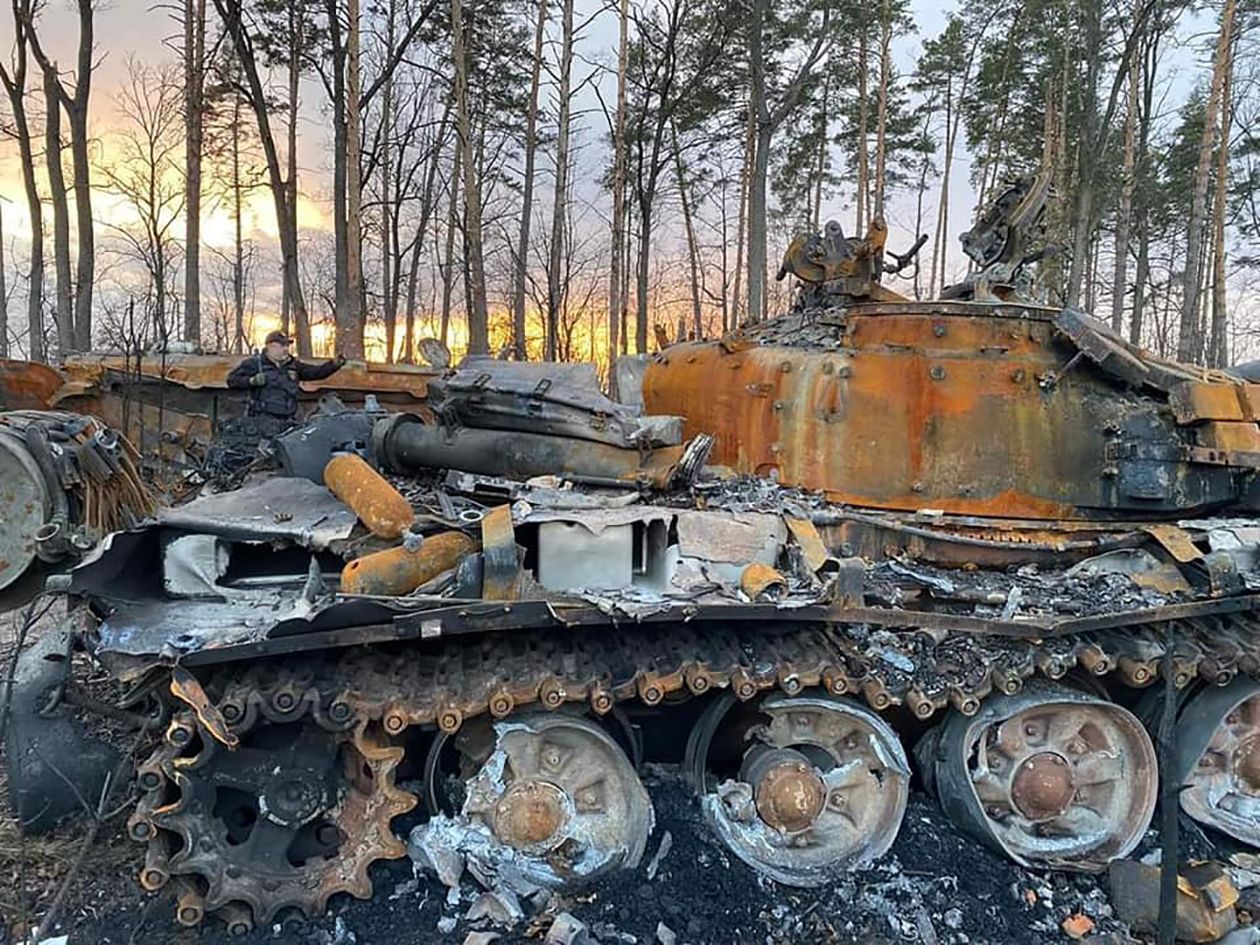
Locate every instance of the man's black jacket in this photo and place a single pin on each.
(278, 397)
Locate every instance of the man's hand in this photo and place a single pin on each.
(258, 380)
(340, 360)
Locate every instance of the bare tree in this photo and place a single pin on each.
(144, 170)
(560, 191)
(14, 81)
(194, 50)
(75, 101)
(616, 290)
(64, 313)
(1218, 341)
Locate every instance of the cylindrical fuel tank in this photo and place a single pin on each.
(398, 571)
(379, 506)
(963, 407)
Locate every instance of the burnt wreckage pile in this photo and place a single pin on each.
(960, 537)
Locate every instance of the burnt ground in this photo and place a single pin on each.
(934, 886)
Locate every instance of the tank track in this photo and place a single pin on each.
(367, 698)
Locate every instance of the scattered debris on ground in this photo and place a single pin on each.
(936, 886)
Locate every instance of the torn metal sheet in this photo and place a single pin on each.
(276, 509)
(193, 564)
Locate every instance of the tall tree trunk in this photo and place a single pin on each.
(939, 244)
(693, 251)
(64, 312)
(341, 239)
(1141, 273)
(745, 182)
(389, 224)
(555, 295)
(85, 227)
(760, 162)
(863, 162)
(1124, 213)
(15, 88)
(194, 112)
(448, 271)
(297, 33)
(239, 344)
(881, 120)
(1190, 334)
(1218, 348)
(616, 290)
(478, 316)
(409, 314)
(352, 323)
(527, 190)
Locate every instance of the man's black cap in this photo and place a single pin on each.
(279, 336)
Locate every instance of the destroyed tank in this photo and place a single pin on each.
(973, 539)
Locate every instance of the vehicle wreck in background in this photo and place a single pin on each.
(874, 536)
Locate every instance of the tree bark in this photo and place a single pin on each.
(527, 190)
(881, 119)
(63, 315)
(745, 180)
(759, 162)
(863, 161)
(1190, 333)
(1218, 348)
(352, 316)
(238, 248)
(448, 271)
(297, 32)
(478, 316)
(616, 289)
(1124, 213)
(15, 88)
(555, 292)
(194, 113)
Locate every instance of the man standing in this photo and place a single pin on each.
(272, 377)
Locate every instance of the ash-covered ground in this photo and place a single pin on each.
(935, 886)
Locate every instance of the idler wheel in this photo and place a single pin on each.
(821, 786)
